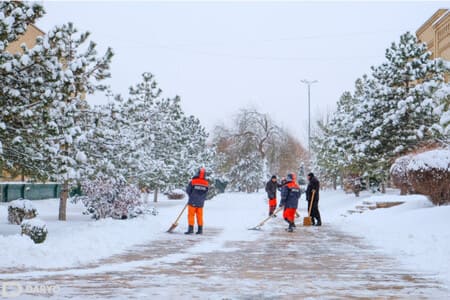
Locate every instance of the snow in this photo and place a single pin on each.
(26, 205)
(35, 222)
(414, 233)
(81, 156)
(434, 159)
(80, 240)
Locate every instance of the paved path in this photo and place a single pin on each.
(309, 263)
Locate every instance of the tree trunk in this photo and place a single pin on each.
(334, 183)
(155, 195)
(404, 189)
(383, 188)
(63, 201)
(146, 195)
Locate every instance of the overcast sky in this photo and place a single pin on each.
(220, 57)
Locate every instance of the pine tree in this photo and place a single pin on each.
(83, 72)
(167, 146)
(30, 80)
(401, 101)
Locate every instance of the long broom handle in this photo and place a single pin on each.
(270, 217)
(312, 200)
(181, 213)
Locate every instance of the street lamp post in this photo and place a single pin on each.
(309, 83)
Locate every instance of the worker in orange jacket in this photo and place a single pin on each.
(197, 191)
(290, 193)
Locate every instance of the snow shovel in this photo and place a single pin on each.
(258, 227)
(307, 221)
(175, 224)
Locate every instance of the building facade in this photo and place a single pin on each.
(435, 32)
(28, 38)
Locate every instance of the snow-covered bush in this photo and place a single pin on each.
(399, 174)
(35, 229)
(150, 211)
(429, 174)
(176, 194)
(104, 198)
(18, 210)
(352, 184)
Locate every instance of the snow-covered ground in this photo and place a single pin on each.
(415, 233)
(80, 240)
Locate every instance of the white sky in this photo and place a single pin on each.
(220, 56)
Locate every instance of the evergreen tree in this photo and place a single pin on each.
(166, 145)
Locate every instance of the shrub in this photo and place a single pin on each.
(35, 229)
(399, 174)
(18, 210)
(429, 174)
(105, 198)
(352, 183)
(176, 194)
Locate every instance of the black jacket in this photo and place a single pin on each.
(271, 189)
(313, 185)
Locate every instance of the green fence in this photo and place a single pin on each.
(31, 191)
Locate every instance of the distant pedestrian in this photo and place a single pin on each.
(197, 191)
(271, 189)
(313, 187)
(290, 193)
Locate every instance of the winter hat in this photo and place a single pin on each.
(290, 177)
(201, 173)
(273, 177)
(311, 175)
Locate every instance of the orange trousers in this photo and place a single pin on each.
(195, 211)
(289, 214)
(272, 205)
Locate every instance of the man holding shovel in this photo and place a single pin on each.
(313, 189)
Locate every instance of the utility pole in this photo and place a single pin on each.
(309, 83)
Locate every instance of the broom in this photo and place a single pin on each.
(175, 224)
(258, 227)
(307, 221)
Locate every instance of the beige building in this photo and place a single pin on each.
(29, 38)
(436, 33)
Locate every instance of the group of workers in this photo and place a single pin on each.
(290, 194)
(197, 190)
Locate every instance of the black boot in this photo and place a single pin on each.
(190, 230)
(200, 230)
(291, 227)
(319, 220)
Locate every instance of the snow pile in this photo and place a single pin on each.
(25, 205)
(435, 159)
